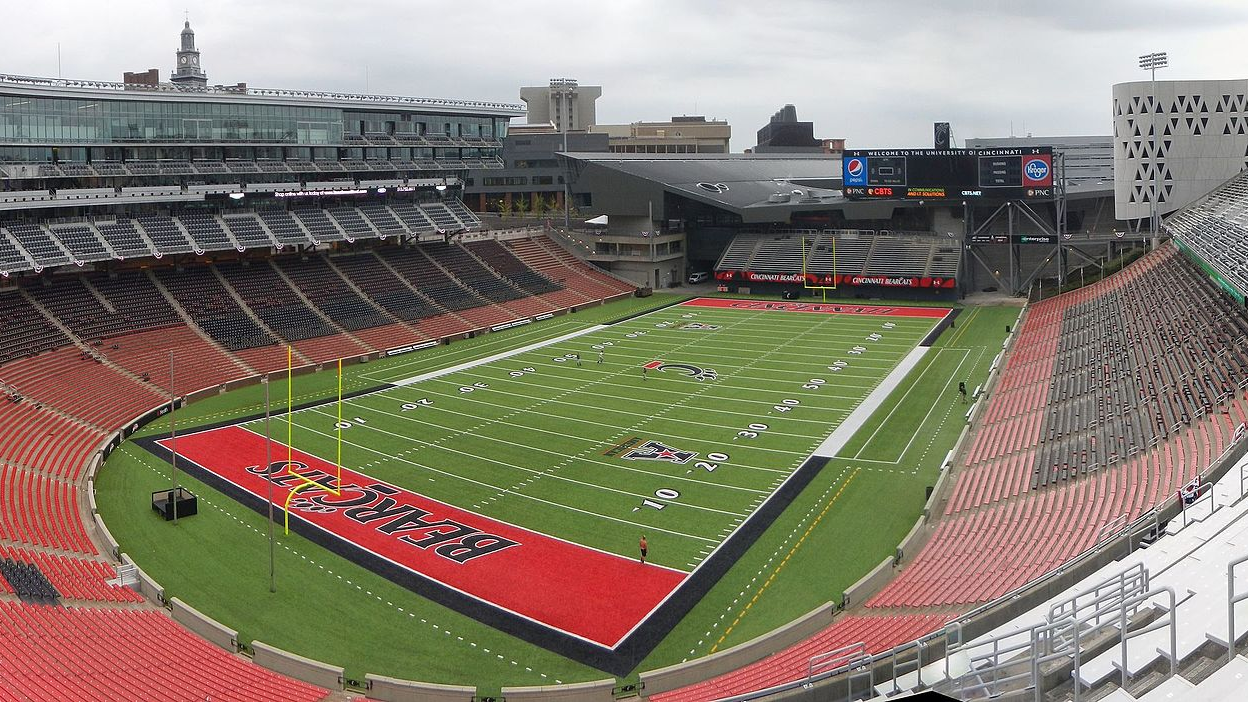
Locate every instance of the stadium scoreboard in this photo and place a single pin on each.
(1024, 173)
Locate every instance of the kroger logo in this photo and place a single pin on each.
(1037, 169)
(855, 167)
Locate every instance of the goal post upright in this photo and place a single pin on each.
(305, 482)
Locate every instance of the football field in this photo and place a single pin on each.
(516, 487)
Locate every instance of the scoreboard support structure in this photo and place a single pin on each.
(1054, 247)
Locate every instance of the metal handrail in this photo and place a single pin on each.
(1231, 600)
(839, 657)
(1150, 519)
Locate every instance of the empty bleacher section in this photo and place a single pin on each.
(71, 577)
(545, 256)
(39, 244)
(124, 239)
(82, 242)
(442, 217)
(471, 272)
(247, 231)
(206, 232)
(273, 301)
(380, 217)
(337, 300)
(412, 217)
(205, 299)
(26, 331)
(165, 234)
(85, 353)
(845, 252)
(352, 222)
(1216, 229)
(110, 654)
(376, 280)
(1119, 393)
(1106, 372)
(11, 258)
(503, 262)
(285, 230)
(424, 275)
(466, 217)
(793, 663)
(26, 246)
(1153, 355)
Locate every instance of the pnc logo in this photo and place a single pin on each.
(855, 167)
(1036, 169)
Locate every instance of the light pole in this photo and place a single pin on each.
(1150, 63)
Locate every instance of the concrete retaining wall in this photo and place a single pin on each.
(682, 674)
(204, 626)
(909, 545)
(387, 689)
(297, 667)
(868, 584)
(104, 535)
(597, 691)
(147, 587)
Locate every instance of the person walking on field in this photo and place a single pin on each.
(600, 357)
(642, 545)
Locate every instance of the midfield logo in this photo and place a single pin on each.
(695, 372)
(655, 451)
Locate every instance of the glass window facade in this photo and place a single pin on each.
(56, 120)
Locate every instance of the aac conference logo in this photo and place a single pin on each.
(856, 171)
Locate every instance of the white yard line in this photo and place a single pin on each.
(832, 445)
(498, 356)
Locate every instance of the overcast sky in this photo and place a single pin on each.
(876, 73)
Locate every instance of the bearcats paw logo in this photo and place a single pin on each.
(695, 372)
(655, 451)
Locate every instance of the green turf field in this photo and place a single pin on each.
(526, 438)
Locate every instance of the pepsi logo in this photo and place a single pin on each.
(855, 167)
(1036, 169)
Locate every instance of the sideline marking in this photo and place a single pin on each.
(873, 401)
(767, 583)
(498, 356)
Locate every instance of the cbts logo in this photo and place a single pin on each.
(855, 171)
(1037, 171)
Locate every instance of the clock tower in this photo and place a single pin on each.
(188, 71)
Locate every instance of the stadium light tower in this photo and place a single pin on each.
(1151, 62)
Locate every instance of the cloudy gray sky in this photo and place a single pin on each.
(877, 73)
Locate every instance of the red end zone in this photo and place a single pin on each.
(820, 307)
(596, 596)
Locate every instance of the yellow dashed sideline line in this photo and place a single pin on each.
(965, 325)
(784, 562)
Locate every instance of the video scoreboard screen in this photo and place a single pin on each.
(1024, 173)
